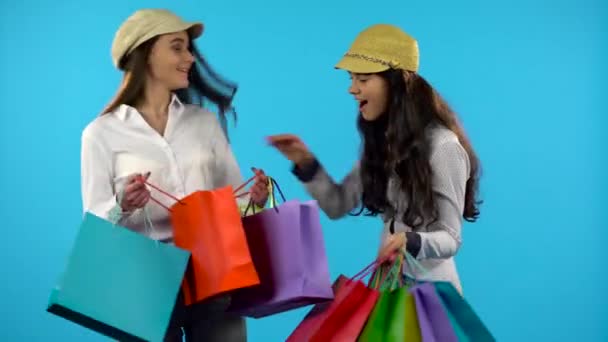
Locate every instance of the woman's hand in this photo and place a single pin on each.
(293, 148)
(136, 194)
(259, 190)
(392, 244)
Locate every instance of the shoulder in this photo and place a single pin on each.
(446, 149)
(201, 116)
(440, 136)
(198, 111)
(99, 128)
(205, 122)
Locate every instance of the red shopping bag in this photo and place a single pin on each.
(343, 318)
(208, 224)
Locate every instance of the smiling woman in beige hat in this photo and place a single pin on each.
(155, 127)
(417, 170)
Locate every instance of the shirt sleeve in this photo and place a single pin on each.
(98, 194)
(450, 167)
(336, 200)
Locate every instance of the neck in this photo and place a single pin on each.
(155, 101)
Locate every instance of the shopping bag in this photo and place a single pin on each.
(208, 224)
(394, 315)
(464, 323)
(119, 283)
(288, 251)
(462, 315)
(343, 318)
(435, 325)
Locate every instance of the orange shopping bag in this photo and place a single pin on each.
(208, 224)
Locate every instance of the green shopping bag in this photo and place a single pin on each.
(394, 316)
(119, 283)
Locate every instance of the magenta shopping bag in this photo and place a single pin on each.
(288, 251)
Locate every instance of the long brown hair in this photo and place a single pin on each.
(205, 84)
(398, 143)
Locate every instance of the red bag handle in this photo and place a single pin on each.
(143, 180)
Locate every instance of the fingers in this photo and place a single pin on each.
(286, 143)
(259, 198)
(397, 242)
(136, 193)
(391, 245)
(134, 189)
(281, 139)
(385, 254)
(258, 172)
(260, 177)
(259, 192)
(137, 178)
(290, 146)
(132, 178)
(141, 199)
(137, 199)
(259, 187)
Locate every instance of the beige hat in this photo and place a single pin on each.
(146, 24)
(379, 48)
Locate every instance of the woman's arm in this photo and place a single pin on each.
(450, 167)
(336, 200)
(98, 194)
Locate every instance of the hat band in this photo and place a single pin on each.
(372, 59)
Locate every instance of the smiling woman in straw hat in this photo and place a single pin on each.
(417, 170)
(155, 127)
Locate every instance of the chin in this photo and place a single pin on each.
(181, 85)
(368, 117)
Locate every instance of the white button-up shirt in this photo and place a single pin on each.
(192, 155)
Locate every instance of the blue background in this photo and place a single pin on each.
(526, 77)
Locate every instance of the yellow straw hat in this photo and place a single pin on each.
(146, 24)
(379, 48)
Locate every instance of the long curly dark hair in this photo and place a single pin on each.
(397, 143)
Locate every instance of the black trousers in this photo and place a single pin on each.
(206, 321)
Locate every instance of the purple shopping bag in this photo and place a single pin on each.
(435, 325)
(288, 251)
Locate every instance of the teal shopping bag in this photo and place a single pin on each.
(465, 322)
(467, 325)
(119, 283)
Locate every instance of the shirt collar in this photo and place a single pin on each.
(175, 107)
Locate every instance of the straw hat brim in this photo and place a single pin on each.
(360, 66)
